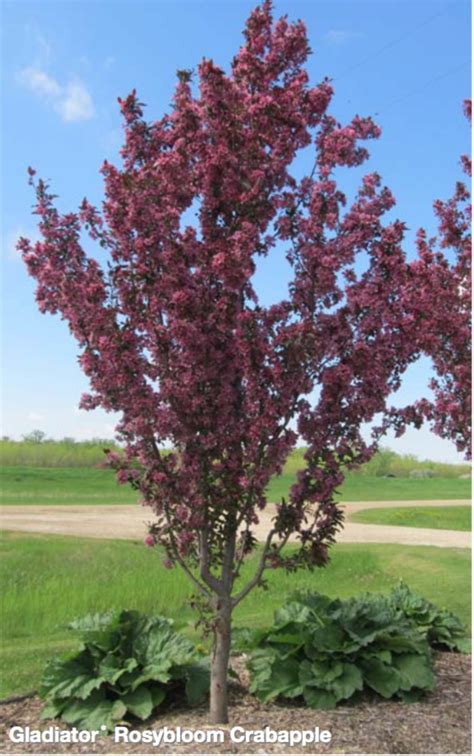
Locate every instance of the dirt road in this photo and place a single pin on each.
(110, 521)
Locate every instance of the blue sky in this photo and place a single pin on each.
(406, 63)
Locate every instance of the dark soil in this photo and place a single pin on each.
(440, 724)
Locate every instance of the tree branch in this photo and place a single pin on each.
(206, 575)
(260, 569)
(180, 559)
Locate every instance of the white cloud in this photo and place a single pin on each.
(340, 36)
(76, 103)
(72, 101)
(39, 82)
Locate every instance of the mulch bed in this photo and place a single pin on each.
(440, 724)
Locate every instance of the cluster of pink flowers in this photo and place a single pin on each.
(442, 292)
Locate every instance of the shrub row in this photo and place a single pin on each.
(328, 650)
(319, 650)
(38, 451)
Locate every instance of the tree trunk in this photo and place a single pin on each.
(219, 664)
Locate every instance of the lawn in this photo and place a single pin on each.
(368, 488)
(446, 518)
(62, 485)
(84, 485)
(46, 581)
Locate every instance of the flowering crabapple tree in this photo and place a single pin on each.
(442, 274)
(174, 337)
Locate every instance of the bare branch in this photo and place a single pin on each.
(180, 559)
(204, 560)
(260, 569)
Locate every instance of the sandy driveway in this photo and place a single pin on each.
(110, 521)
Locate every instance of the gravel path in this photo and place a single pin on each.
(123, 521)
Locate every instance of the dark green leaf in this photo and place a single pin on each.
(139, 702)
(415, 671)
(319, 699)
(197, 683)
(346, 684)
(381, 677)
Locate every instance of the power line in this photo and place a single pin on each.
(389, 45)
(422, 87)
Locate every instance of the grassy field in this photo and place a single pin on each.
(447, 518)
(46, 453)
(37, 451)
(82, 485)
(62, 485)
(365, 488)
(46, 581)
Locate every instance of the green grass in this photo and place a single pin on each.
(82, 485)
(447, 518)
(46, 581)
(365, 488)
(62, 485)
(47, 453)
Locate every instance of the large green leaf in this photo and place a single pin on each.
(246, 639)
(162, 647)
(382, 678)
(319, 699)
(158, 694)
(282, 680)
(319, 673)
(382, 654)
(463, 645)
(346, 684)
(197, 683)
(53, 708)
(294, 613)
(93, 713)
(108, 713)
(139, 702)
(405, 639)
(328, 637)
(319, 604)
(111, 668)
(153, 672)
(290, 639)
(260, 666)
(105, 640)
(415, 671)
(76, 711)
(440, 627)
(63, 678)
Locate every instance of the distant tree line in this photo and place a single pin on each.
(37, 450)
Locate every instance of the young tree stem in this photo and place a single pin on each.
(219, 664)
